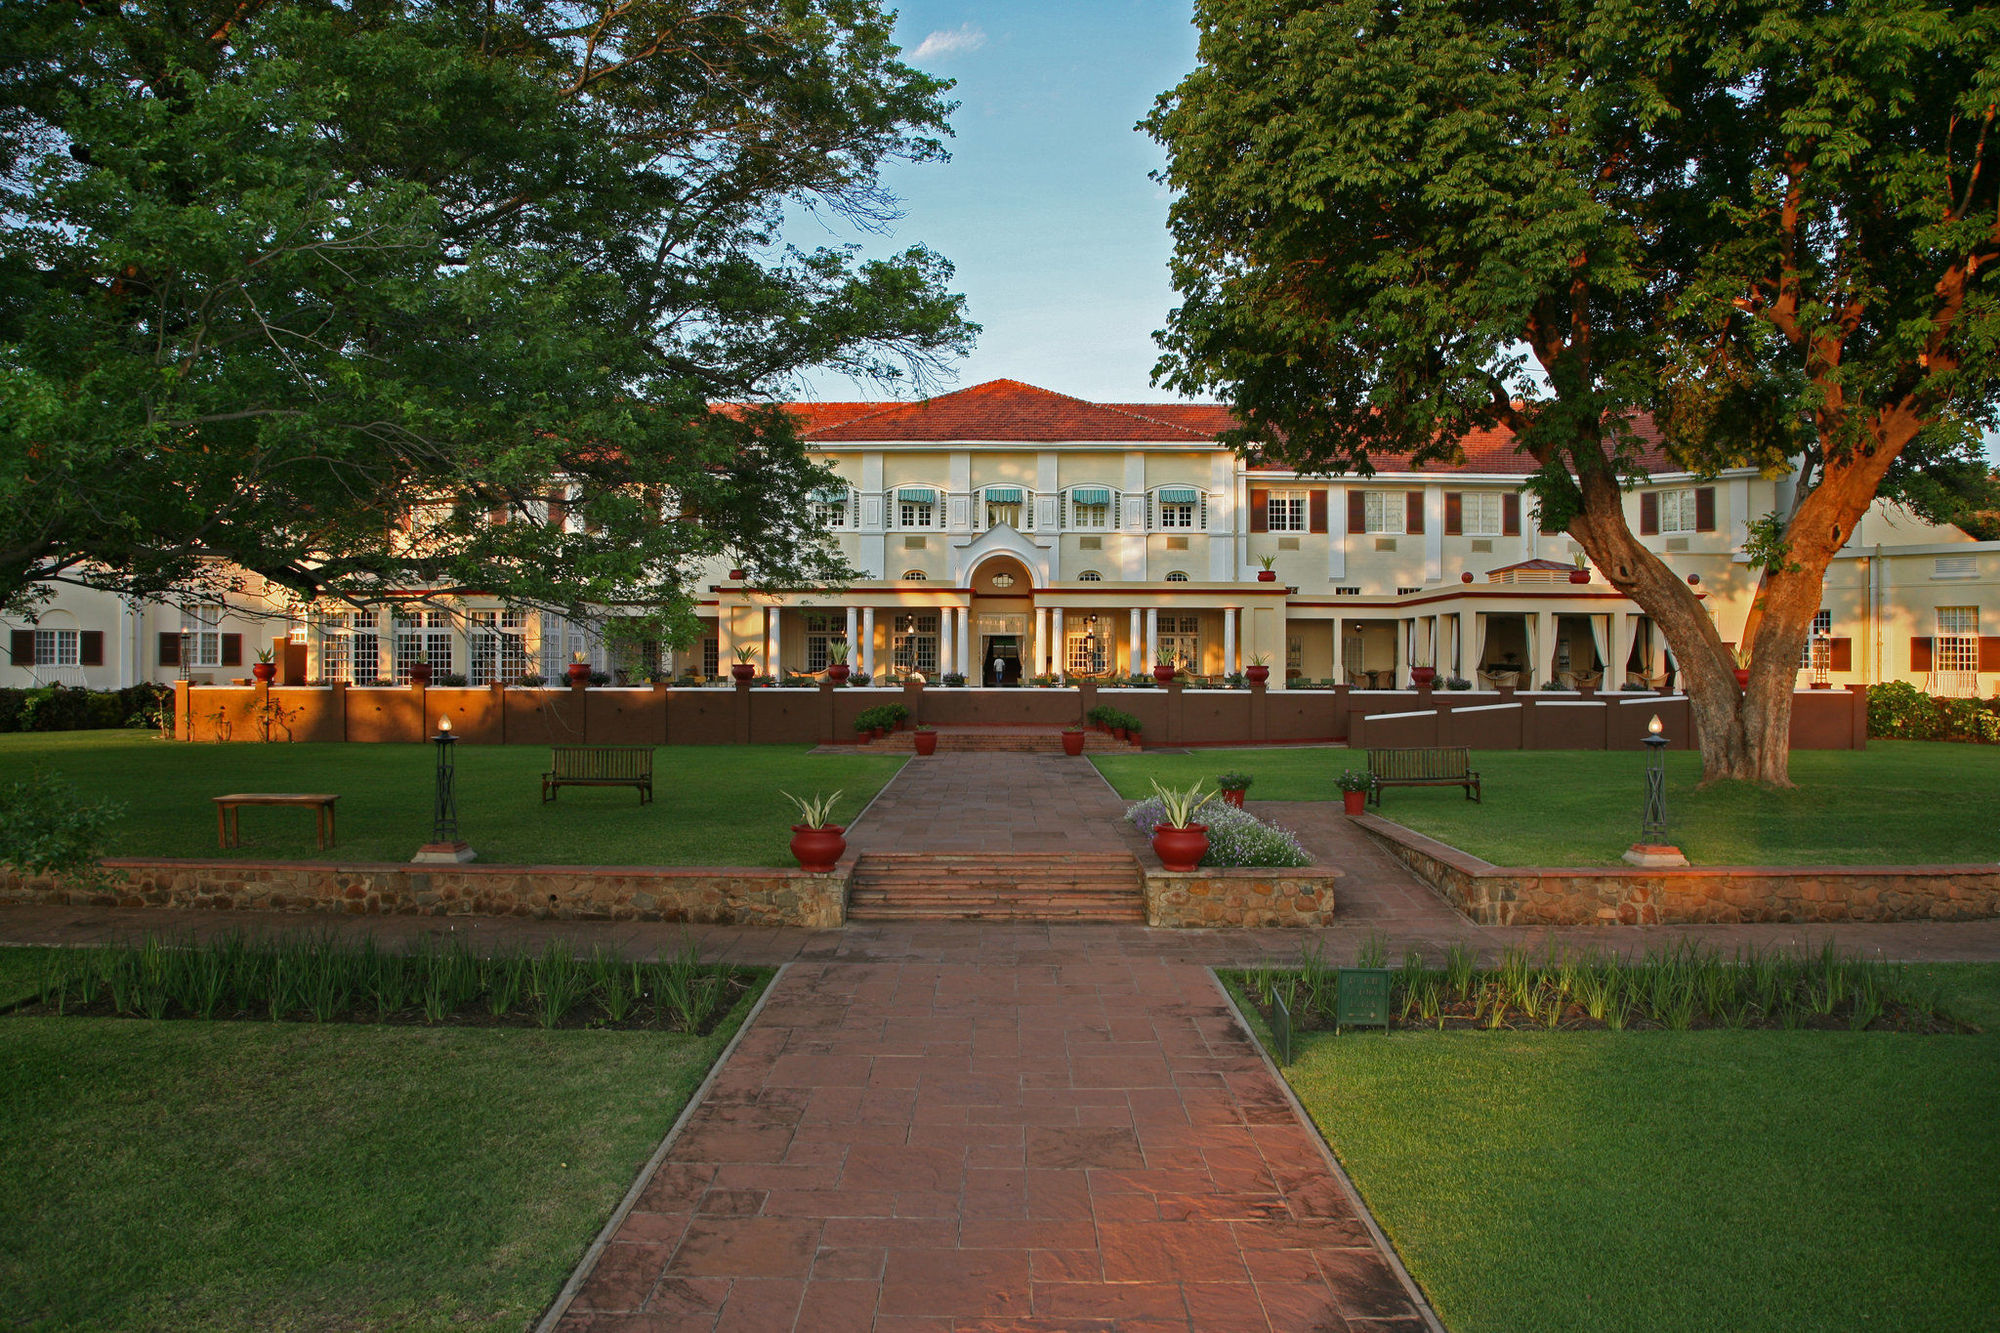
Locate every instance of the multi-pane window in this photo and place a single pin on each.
(1287, 511)
(829, 507)
(58, 647)
(916, 507)
(422, 636)
(1180, 638)
(914, 576)
(1005, 504)
(1085, 651)
(1677, 510)
(1177, 576)
(1178, 507)
(498, 645)
(998, 514)
(1481, 512)
(1385, 512)
(913, 642)
(823, 629)
(711, 656)
(349, 647)
(201, 639)
(1091, 508)
(1817, 656)
(1090, 576)
(1957, 638)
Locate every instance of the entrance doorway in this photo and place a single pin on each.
(999, 659)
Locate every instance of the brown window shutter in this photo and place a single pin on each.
(90, 648)
(1920, 654)
(1649, 513)
(497, 514)
(1510, 515)
(1989, 652)
(558, 512)
(1454, 513)
(232, 650)
(1317, 508)
(21, 646)
(1413, 511)
(170, 648)
(1704, 509)
(1260, 509)
(1357, 512)
(1841, 652)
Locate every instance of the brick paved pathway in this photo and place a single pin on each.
(1077, 1145)
(991, 803)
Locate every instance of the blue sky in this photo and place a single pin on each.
(1058, 236)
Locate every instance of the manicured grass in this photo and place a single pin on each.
(195, 1175)
(1668, 1181)
(1897, 802)
(712, 804)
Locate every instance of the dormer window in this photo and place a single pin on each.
(1090, 508)
(916, 506)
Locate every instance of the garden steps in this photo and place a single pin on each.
(999, 740)
(989, 886)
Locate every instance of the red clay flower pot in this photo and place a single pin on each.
(1354, 802)
(265, 672)
(579, 673)
(744, 671)
(818, 848)
(1267, 576)
(420, 673)
(926, 742)
(839, 672)
(1072, 742)
(1234, 796)
(1579, 576)
(1163, 674)
(1423, 675)
(1742, 678)
(1181, 849)
(1257, 675)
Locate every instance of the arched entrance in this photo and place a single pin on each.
(1003, 613)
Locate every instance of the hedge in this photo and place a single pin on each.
(58, 708)
(1900, 711)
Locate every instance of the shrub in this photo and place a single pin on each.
(47, 828)
(1898, 710)
(1235, 837)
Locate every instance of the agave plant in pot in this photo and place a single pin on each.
(745, 666)
(1354, 789)
(579, 669)
(1259, 669)
(266, 668)
(1163, 666)
(1267, 574)
(817, 841)
(837, 669)
(1178, 841)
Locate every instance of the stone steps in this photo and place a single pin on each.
(957, 886)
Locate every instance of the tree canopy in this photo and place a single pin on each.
(345, 292)
(1766, 225)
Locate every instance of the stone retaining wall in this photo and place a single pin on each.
(1536, 896)
(752, 896)
(1226, 899)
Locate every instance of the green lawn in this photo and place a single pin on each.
(194, 1175)
(1897, 802)
(712, 804)
(1668, 1181)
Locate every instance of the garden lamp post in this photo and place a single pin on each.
(1653, 849)
(445, 844)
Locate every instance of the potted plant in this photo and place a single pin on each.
(952, 680)
(1268, 574)
(265, 669)
(817, 841)
(579, 669)
(1581, 574)
(1072, 738)
(745, 666)
(1354, 789)
(858, 678)
(899, 716)
(1457, 683)
(420, 673)
(533, 680)
(1163, 666)
(1232, 786)
(1132, 728)
(926, 739)
(837, 669)
(1178, 841)
(1422, 674)
(738, 575)
(1742, 656)
(1259, 669)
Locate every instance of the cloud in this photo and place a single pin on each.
(949, 43)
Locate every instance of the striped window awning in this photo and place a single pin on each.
(1090, 495)
(1179, 495)
(1003, 495)
(916, 495)
(831, 495)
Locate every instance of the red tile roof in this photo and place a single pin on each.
(1008, 410)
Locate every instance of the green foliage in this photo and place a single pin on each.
(48, 828)
(59, 708)
(471, 259)
(1349, 779)
(1898, 710)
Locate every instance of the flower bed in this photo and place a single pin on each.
(1235, 837)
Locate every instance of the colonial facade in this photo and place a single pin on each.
(1008, 532)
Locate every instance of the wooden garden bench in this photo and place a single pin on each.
(228, 813)
(1438, 766)
(599, 766)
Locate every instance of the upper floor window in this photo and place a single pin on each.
(916, 506)
(1677, 510)
(829, 507)
(1005, 505)
(1177, 576)
(1090, 507)
(1385, 511)
(1481, 510)
(1288, 511)
(914, 576)
(1090, 576)
(1178, 507)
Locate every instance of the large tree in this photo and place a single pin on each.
(344, 292)
(1768, 225)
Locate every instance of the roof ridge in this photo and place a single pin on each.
(1037, 389)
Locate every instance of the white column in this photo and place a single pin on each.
(774, 665)
(868, 643)
(1056, 649)
(1544, 647)
(1339, 651)
(966, 666)
(1135, 645)
(1040, 655)
(1229, 667)
(1152, 636)
(1463, 647)
(1616, 647)
(853, 635)
(947, 640)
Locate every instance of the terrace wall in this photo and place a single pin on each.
(1175, 716)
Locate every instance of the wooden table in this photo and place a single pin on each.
(227, 816)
